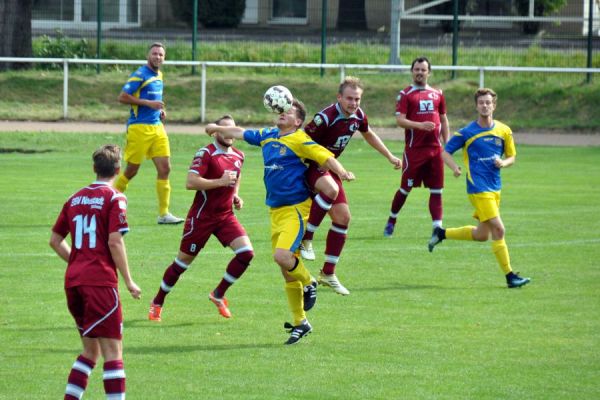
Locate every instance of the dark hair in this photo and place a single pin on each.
(350, 81)
(224, 117)
(420, 60)
(107, 159)
(300, 110)
(157, 44)
(485, 91)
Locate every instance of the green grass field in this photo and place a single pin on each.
(416, 325)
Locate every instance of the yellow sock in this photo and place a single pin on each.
(295, 296)
(501, 252)
(121, 183)
(300, 273)
(462, 233)
(163, 191)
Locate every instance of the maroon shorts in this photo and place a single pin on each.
(314, 173)
(197, 231)
(96, 310)
(424, 166)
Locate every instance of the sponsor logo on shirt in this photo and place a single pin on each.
(318, 120)
(426, 105)
(87, 201)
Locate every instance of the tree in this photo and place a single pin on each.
(15, 31)
(351, 15)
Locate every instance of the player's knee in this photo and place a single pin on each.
(284, 259)
(245, 257)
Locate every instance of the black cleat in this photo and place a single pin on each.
(515, 281)
(436, 238)
(310, 295)
(297, 332)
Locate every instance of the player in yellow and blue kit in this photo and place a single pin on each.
(146, 135)
(484, 142)
(284, 149)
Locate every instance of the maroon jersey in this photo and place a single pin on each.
(210, 163)
(332, 129)
(90, 216)
(421, 104)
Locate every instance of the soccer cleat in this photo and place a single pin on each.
(310, 295)
(169, 219)
(306, 250)
(333, 282)
(436, 238)
(154, 313)
(297, 332)
(222, 304)
(388, 231)
(515, 281)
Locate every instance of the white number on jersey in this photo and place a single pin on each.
(83, 226)
(342, 141)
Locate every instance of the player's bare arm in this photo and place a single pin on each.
(375, 142)
(60, 246)
(238, 202)
(406, 123)
(119, 256)
(449, 161)
(196, 182)
(336, 167)
(229, 132)
(445, 128)
(504, 163)
(126, 98)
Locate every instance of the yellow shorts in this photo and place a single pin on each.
(146, 141)
(487, 205)
(288, 224)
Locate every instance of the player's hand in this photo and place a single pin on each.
(154, 104)
(163, 115)
(396, 162)
(229, 178)
(498, 162)
(457, 172)
(347, 176)
(135, 290)
(427, 126)
(238, 202)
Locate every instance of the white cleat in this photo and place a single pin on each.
(333, 282)
(169, 219)
(306, 250)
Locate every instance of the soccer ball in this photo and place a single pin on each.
(278, 99)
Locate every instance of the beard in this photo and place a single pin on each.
(223, 142)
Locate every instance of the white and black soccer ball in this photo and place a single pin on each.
(278, 99)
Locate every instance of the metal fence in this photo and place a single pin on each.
(395, 29)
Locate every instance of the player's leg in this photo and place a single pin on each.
(433, 178)
(327, 188)
(160, 152)
(242, 248)
(114, 371)
(133, 155)
(406, 185)
(77, 380)
(336, 239)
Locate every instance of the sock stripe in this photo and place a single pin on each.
(322, 203)
(243, 249)
(115, 396)
(74, 390)
(181, 263)
(337, 229)
(113, 374)
(165, 287)
(229, 278)
(311, 228)
(331, 259)
(81, 367)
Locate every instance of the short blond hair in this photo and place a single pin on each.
(350, 81)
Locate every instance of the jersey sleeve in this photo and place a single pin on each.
(253, 137)
(509, 144)
(456, 142)
(442, 106)
(117, 218)
(401, 104)
(200, 162)
(311, 150)
(134, 82)
(316, 127)
(61, 226)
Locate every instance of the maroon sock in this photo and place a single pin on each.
(336, 238)
(236, 268)
(320, 206)
(170, 277)
(397, 203)
(78, 378)
(435, 206)
(114, 378)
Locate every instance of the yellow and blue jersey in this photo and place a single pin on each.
(284, 163)
(481, 147)
(146, 84)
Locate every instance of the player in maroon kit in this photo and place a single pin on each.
(333, 128)
(421, 111)
(95, 218)
(215, 175)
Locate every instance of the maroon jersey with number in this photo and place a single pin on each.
(210, 163)
(421, 104)
(333, 130)
(90, 216)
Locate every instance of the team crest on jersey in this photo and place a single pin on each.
(433, 95)
(282, 151)
(498, 142)
(411, 183)
(238, 164)
(353, 127)
(318, 120)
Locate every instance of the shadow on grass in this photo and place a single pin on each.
(394, 286)
(198, 348)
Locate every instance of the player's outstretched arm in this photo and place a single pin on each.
(229, 132)
(334, 165)
(60, 246)
(119, 256)
(449, 161)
